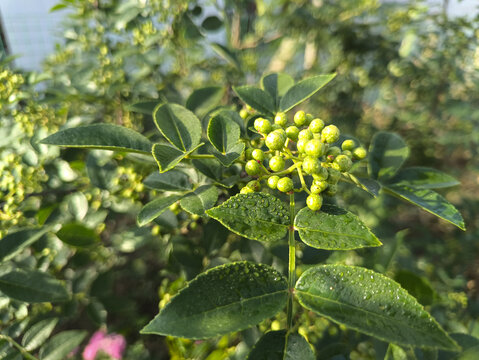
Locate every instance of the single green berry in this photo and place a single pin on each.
(257, 143)
(330, 134)
(348, 153)
(252, 168)
(320, 185)
(359, 153)
(273, 181)
(262, 126)
(275, 140)
(254, 185)
(276, 127)
(300, 118)
(305, 134)
(311, 165)
(333, 176)
(276, 163)
(344, 163)
(292, 132)
(301, 145)
(249, 153)
(321, 174)
(348, 145)
(243, 113)
(332, 152)
(246, 190)
(309, 118)
(314, 148)
(285, 184)
(331, 190)
(314, 202)
(316, 125)
(257, 154)
(281, 119)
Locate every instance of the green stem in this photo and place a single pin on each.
(20, 348)
(292, 264)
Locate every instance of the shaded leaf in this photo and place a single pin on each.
(154, 208)
(256, 98)
(200, 200)
(62, 344)
(277, 85)
(430, 201)
(256, 216)
(77, 234)
(423, 178)
(387, 153)
(244, 295)
(226, 54)
(32, 286)
(303, 90)
(369, 185)
(395, 352)
(101, 136)
(223, 132)
(13, 243)
(36, 335)
(173, 180)
(279, 345)
(416, 285)
(231, 156)
(144, 107)
(370, 303)
(333, 228)
(167, 157)
(201, 101)
(178, 125)
(211, 23)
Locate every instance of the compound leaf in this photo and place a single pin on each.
(224, 299)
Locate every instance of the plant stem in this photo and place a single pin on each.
(20, 348)
(292, 263)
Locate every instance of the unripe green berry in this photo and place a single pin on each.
(344, 163)
(246, 190)
(276, 163)
(316, 126)
(314, 202)
(281, 119)
(333, 176)
(348, 153)
(300, 118)
(285, 184)
(321, 174)
(319, 185)
(359, 153)
(314, 148)
(292, 132)
(300, 145)
(309, 118)
(275, 140)
(254, 185)
(348, 144)
(257, 143)
(305, 134)
(332, 152)
(257, 154)
(262, 126)
(311, 165)
(330, 134)
(273, 181)
(243, 113)
(331, 190)
(276, 127)
(249, 153)
(252, 168)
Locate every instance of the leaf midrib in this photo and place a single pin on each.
(37, 290)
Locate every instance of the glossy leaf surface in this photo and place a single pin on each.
(173, 180)
(154, 208)
(178, 125)
(256, 216)
(231, 156)
(167, 157)
(15, 242)
(36, 335)
(387, 153)
(101, 136)
(223, 132)
(333, 228)
(369, 185)
(303, 90)
(201, 101)
(256, 98)
(277, 85)
(62, 344)
(32, 286)
(370, 303)
(423, 178)
(224, 299)
(77, 234)
(200, 200)
(430, 201)
(278, 345)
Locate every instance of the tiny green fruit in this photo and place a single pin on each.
(262, 126)
(333, 176)
(331, 190)
(314, 202)
(252, 168)
(316, 126)
(311, 165)
(319, 186)
(243, 113)
(314, 148)
(257, 154)
(285, 184)
(305, 134)
(275, 140)
(344, 162)
(273, 182)
(359, 153)
(300, 118)
(246, 190)
(348, 144)
(301, 145)
(292, 132)
(276, 163)
(281, 119)
(254, 185)
(330, 134)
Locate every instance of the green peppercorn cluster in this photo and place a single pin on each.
(306, 149)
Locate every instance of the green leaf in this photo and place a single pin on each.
(423, 178)
(211, 23)
(256, 98)
(231, 156)
(178, 125)
(200, 200)
(370, 303)
(101, 136)
(154, 208)
(173, 180)
(201, 101)
(417, 286)
(15, 242)
(223, 132)
(333, 228)
(279, 345)
(256, 216)
(167, 157)
(430, 201)
(62, 344)
(387, 153)
(36, 335)
(226, 54)
(32, 286)
(224, 299)
(303, 90)
(277, 85)
(78, 235)
(144, 107)
(369, 185)
(395, 352)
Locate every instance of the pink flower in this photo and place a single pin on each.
(112, 345)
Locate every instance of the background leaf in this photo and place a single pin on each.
(256, 216)
(202, 100)
(370, 303)
(77, 234)
(200, 200)
(244, 295)
(387, 153)
(423, 178)
(277, 85)
(223, 132)
(62, 344)
(101, 136)
(333, 228)
(279, 345)
(256, 98)
(154, 208)
(37, 334)
(15, 242)
(173, 180)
